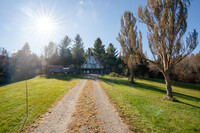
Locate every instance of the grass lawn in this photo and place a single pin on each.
(42, 92)
(142, 107)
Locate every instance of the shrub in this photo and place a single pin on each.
(113, 74)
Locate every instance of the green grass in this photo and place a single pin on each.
(142, 107)
(42, 93)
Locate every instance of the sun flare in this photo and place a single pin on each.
(45, 25)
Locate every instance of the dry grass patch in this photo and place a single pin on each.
(85, 116)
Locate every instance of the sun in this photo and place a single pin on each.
(42, 23)
(45, 25)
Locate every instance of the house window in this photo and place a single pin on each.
(93, 65)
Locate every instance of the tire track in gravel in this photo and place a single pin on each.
(111, 121)
(85, 118)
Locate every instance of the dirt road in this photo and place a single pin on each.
(67, 111)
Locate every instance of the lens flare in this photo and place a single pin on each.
(43, 23)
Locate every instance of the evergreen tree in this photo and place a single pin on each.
(49, 52)
(122, 68)
(111, 58)
(55, 58)
(88, 51)
(78, 52)
(142, 69)
(26, 49)
(65, 52)
(99, 49)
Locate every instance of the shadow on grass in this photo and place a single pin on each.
(144, 86)
(13, 82)
(65, 77)
(5, 84)
(176, 84)
(188, 104)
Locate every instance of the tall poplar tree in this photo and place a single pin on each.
(166, 21)
(131, 44)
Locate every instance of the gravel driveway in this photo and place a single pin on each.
(111, 121)
(60, 116)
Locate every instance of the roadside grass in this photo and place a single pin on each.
(142, 107)
(43, 92)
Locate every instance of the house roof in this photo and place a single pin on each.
(91, 53)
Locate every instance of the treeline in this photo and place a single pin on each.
(24, 64)
(21, 65)
(67, 53)
(74, 56)
(188, 70)
(71, 53)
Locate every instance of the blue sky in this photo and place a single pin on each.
(89, 18)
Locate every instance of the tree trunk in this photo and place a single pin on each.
(132, 78)
(168, 85)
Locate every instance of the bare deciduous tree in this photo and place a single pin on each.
(166, 23)
(130, 42)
